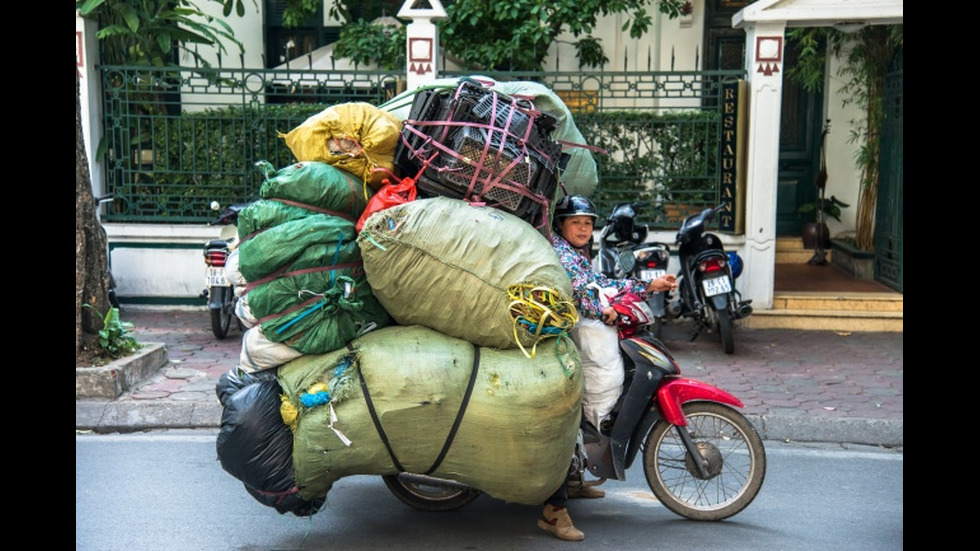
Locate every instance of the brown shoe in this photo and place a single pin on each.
(556, 520)
(578, 488)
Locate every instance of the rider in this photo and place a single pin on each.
(595, 336)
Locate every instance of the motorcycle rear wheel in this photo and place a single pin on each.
(736, 463)
(429, 497)
(726, 331)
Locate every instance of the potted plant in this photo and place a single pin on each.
(816, 235)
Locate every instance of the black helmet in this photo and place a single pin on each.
(573, 205)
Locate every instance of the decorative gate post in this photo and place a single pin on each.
(423, 40)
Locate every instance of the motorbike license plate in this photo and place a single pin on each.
(650, 275)
(716, 286)
(216, 277)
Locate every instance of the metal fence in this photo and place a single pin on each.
(178, 138)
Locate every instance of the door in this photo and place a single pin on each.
(889, 211)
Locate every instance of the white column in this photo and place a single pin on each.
(86, 57)
(422, 48)
(764, 65)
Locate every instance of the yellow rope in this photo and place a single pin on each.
(541, 312)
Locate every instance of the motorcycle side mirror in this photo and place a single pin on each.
(627, 261)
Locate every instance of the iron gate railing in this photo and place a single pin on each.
(178, 138)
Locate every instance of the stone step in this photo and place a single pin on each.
(851, 302)
(827, 320)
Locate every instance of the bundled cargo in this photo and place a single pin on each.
(472, 272)
(409, 399)
(477, 144)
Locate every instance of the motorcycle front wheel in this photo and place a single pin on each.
(731, 449)
(430, 497)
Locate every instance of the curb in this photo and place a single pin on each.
(131, 416)
(118, 376)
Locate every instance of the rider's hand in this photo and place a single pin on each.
(609, 315)
(663, 283)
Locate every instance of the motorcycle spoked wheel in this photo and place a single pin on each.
(427, 497)
(736, 463)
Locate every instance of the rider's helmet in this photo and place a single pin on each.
(573, 205)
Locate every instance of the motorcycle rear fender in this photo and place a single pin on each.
(218, 297)
(677, 391)
(719, 302)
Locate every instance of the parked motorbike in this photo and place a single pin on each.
(623, 252)
(706, 290)
(219, 292)
(702, 458)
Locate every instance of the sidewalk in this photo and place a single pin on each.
(806, 386)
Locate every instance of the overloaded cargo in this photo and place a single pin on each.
(431, 337)
(389, 404)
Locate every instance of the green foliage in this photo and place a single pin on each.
(513, 35)
(145, 32)
(662, 158)
(824, 207)
(116, 336)
(201, 156)
(362, 42)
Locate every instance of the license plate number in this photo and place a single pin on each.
(216, 277)
(650, 275)
(716, 286)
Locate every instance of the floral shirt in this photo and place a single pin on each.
(583, 275)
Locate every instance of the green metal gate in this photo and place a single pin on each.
(890, 214)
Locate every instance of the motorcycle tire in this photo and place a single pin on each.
(735, 456)
(221, 321)
(430, 497)
(726, 331)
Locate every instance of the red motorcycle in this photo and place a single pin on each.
(702, 458)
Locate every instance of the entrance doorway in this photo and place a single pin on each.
(800, 124)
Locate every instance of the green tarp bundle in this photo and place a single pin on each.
(305, 282)
(516, 433)
(300, 190)
(451, 266)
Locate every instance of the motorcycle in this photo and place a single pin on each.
(706, 290)
(219, 292)
(623, 252)
(703, 459)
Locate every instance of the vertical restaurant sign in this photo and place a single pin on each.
(730, 156)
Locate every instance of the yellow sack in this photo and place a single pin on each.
(356, 137)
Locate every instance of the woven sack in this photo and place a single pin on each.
(517, 428)
(450, 266)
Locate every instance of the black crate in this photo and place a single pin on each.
(481, 147)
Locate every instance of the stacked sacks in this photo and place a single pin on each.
(454, 267)
(306, 287)
(517, 417)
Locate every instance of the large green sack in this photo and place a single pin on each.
(452, 267)
(306, 284)
(516, 435)
(300, 190)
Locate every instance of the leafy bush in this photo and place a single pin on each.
(663, 158)
(116, 337)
